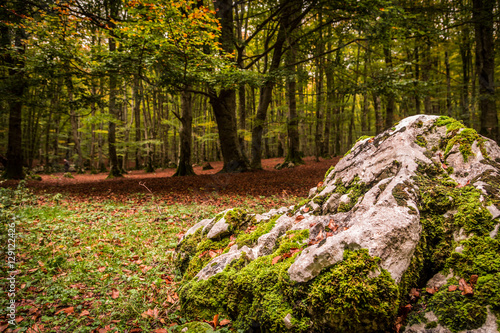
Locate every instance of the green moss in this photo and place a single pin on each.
(347, 153)
(440, 195)
(202, 257)
(351, 300)
(364, 137)
(355, 189)
(250, 239)
(421, 141)
(450, 123)
(328, 171)
(464, 139)
(320, 200)
(300, 205)
(457, 312)
(260, 292)
(399, 193)
(431, 324)
(185, 251)
(238, 219)
(194, 327)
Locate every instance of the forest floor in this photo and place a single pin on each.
(200, 188)
(96, 255)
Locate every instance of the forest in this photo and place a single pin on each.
(116, 85)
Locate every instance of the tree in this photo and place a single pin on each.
(485, 66)
(12, 53)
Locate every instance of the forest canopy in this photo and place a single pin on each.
(114, 85)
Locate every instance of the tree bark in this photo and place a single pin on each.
(485, 66)
(184, 168)
(114, 167)
(224, 102)
(15, 88)
(293, 153)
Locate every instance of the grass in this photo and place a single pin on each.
(105, 266)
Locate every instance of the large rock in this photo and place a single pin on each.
(399, 223)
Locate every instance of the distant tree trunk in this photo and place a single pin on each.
(15, 90)
(378, 116)
(485, 66)
(365, 128)
(426, 70)
(389, 111)
(114, 167)
(448, 84)
(74, 126)
(184, 168)
(293, 153)
(417, 77)
(242, 113)
(285, 27)
(137, 115)
(465, 47)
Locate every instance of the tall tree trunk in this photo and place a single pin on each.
(224, 102)
(184, 168)
(465, 47)
(74, 126)
(448, 84)
(485, 66)
(267, 89)
(15, 89)
(378, 116)
(293, 153)
(389, 111)
(114, 167)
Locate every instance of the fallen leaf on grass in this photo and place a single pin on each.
(68, 311)
(216, 320)
(145, 268)
(153, 313)
(115, 294)
(102, 269)
(3, 328)
(19, 319)
(160, 330)
(84, 313)
(452, 288)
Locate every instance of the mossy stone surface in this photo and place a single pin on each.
(398, 215)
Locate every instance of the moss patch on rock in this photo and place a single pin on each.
(448, 210)
(259, 294)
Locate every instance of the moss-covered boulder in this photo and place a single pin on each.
(402, 235)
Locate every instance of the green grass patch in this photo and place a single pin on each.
(85, 265)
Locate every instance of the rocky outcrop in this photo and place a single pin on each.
(381, 243)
